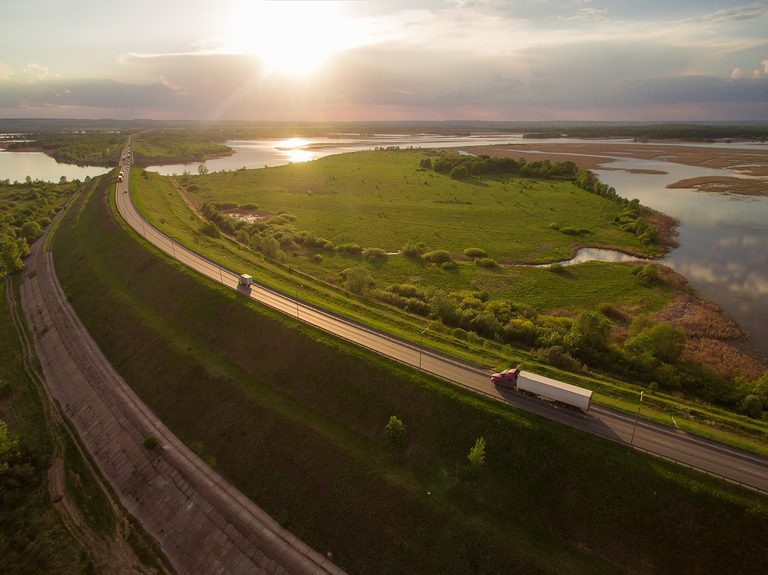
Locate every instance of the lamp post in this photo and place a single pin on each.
(637, 413)
(421, 342)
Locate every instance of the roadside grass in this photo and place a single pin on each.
(297, 420)
(32, 537)
(583, 286)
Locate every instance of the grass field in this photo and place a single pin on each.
(296, 419)
(383, 199)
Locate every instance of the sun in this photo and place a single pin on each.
(293, 38)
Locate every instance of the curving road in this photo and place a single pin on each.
(708, 456)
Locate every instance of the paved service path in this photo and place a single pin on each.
(708, 456)
(198, 519)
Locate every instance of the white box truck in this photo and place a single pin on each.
(544, 387)
(245, 280)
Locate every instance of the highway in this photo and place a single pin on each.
(696, 452)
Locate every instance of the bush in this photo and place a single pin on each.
(150, 442)
(374, 254)
(396, 432)
(451, 265)
(556, 268)
(554, 226)
(438, 256)
(476, 455)
(557, 356)
(211, 230)
(486, 262)
(413, 250)
(475, 253)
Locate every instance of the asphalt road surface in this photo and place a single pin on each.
(705, 455)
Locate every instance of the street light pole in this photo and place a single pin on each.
(637, 413)
(421, 344)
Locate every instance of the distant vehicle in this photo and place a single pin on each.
(544, 387)
(245, 280)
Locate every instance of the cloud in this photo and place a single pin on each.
(737, 13)
(34, 71)
(737, 73)
(765, 66)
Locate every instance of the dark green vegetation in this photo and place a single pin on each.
(174, 146)
(298, 421)
(377, 226)
(694, 132)
(32, 537)
(25, 209)
(93, 148)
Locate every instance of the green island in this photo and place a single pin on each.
(102, 147)
(220, 371)
(391, 239)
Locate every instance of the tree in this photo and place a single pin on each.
(588, 335)
(662, 341)
(477, 453)
(202, 169)
(460, 172)
(357, 280)
(751, 406)
(396, 432)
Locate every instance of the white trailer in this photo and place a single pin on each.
(554, 390)
(245, 280)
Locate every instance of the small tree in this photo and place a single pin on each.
(396, 431)
(202, 169)
(477, 453)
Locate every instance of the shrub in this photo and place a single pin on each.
(554, 226)
(374, 254)
(150, 442)
(557, 268)
(476, 455)
(486, 262)
(460, 172)
(557, 356)
(451, 265)
(475, 253)
(316, 258)
(413, 250)
(396, 432)
(417, 306)
(438, 256)
(211, 230)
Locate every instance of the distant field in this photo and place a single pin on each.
(175, 147)
(296, 419)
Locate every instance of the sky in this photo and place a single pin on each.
(536, 60)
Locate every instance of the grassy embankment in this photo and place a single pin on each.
(305, 439)
(171, 147)
(579, 287)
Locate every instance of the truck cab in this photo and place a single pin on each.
(245, 280)
(506, 378)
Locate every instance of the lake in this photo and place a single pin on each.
(16, 166)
